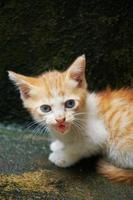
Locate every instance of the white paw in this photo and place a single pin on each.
(56, 145)
(61, 159)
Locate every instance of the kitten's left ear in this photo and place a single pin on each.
(76, 71)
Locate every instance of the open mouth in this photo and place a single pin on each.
(61, 127)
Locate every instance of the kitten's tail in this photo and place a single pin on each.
(115, 173)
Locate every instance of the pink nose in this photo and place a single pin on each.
(60, 120)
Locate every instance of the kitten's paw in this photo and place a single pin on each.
(61, 159)
(56, 145)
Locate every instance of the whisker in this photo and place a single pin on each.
(83, 121)
(80, 113)
(38, 128)
(79, 129)
(33, 123)
(76, 132)
(43, 129)
(82, 125)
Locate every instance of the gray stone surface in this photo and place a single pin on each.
(26, 173)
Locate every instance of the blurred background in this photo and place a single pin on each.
(36, 36)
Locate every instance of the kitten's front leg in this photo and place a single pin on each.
(56, 145)
(64, 157)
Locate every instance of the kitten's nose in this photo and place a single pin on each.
(60, 120)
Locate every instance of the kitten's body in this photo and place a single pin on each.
(97, 123)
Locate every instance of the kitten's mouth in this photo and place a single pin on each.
(61, 127)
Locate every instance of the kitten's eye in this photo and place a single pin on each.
(45, 108)
(70, 103)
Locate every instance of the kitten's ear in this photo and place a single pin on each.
(76, 71)
(24, 83)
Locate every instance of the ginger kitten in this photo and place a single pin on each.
(81, 123)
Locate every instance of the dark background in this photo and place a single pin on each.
(39, 35)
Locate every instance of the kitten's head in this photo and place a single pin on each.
(56, 99)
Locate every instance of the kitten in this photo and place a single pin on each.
(81, 123)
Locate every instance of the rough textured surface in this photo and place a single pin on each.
(41, 35)
(26, 173)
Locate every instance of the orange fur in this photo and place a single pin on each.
(116, 109)
(114, 173)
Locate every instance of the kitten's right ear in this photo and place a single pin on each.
(25, 84)
(76, 71)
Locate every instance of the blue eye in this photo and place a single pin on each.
(70, 103)
(45, 108)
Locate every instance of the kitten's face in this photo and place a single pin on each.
(55, 99)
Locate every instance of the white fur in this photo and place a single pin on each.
(56, 145)
(83, 144)
(120, 157)
(92, 140)
(71, 83)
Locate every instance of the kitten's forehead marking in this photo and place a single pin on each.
(54, 92)
(54, 83)
(58, 88)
